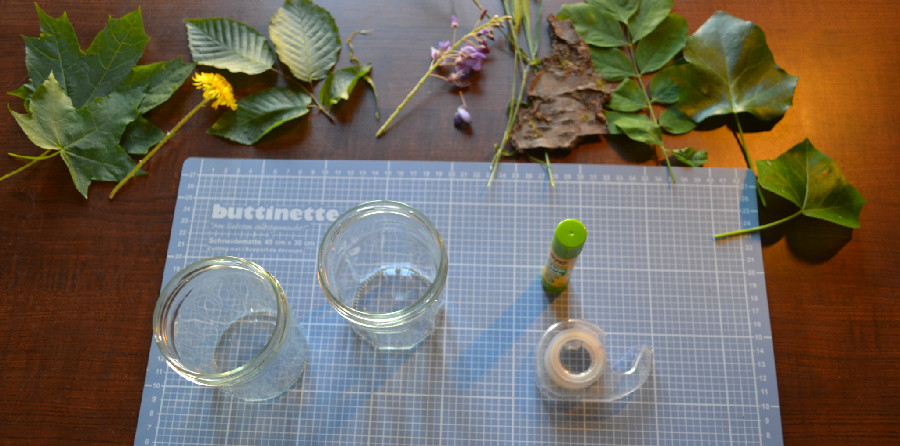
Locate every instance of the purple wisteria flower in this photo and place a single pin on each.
(462, 120)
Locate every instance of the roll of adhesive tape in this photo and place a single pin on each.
(568, 340)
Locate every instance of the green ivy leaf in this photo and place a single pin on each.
(306, 39)
(594, 25)
(87, 137)
(639, 128)
(814, 182)
(621, 10)
(627, 97)
(674, 122)
(649, 15)
(659, 47)
(730, 69)
(259, 113)
(689, 157)
(663, 89)
(339, 84)
(611, 63)
(229, 45)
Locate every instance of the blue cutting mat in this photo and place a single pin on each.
(650, 273)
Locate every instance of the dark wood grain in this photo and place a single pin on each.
(79, 277)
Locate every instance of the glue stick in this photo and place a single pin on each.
(568, 239)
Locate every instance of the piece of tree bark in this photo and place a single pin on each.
(565, 97)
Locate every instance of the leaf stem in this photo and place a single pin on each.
(434, 65)
(306, 90)
(747, 158)
(156, 148)
(34, 159)
(757, 228)
(650, 112)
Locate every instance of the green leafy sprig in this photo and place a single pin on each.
(631, 42)
(729, 70)
(306, 39)
(87, 106)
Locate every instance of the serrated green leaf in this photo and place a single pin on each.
(814, 182)
(611, 63)
(730, 69)
(259, 113)
(627, 97)
(158, 81)
(229, 45)
(674, 122)
(663, 89)
(649, 15)
(55, 51)
(689, 157)
(594, 25)
(140, 135)
(109, 58)
(659, 47)
(88, 137)
(340, 84)
(621, 10)
(639, 128)
(306, 39)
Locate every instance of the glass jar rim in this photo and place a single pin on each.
(245, 371)
(397, 317)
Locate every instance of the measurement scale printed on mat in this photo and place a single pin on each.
(650, 273)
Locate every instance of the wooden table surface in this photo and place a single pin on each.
(79, 278)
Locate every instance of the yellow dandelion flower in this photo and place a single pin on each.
(215, 88)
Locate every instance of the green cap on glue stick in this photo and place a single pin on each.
(568, 239)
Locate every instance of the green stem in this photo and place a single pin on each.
(34, 160)
(757, 228)
(650, 112)
(156, 148)
(41, 157)
(434, 65)
(314, 98)
(510, 119)
(747, 158)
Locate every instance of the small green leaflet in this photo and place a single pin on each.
(87, 138)
(814, 182)
(339, 84)
(229, 45)
(594, 25)
(689, 157)
(730, 69)
(259, 113)
(306, 39)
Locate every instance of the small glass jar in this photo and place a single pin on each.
(225, 322)
(382, 265)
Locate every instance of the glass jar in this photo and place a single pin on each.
(225, 322)
(382, 265)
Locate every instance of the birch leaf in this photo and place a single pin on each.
(229, 45)
(306, 39)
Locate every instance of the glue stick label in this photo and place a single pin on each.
(556, 271)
